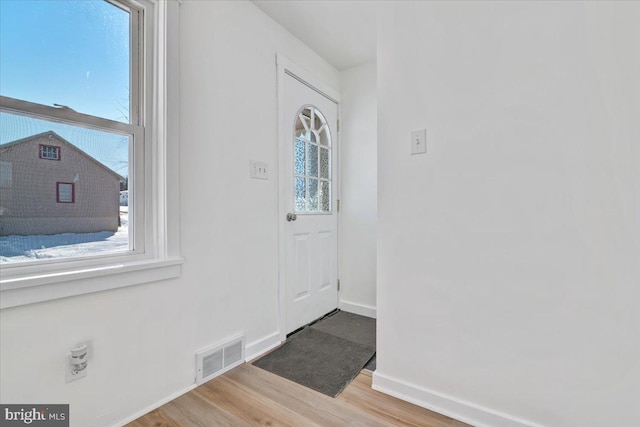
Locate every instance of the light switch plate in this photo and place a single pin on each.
(419, 141)
(259, 170)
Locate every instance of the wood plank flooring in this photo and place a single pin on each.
(250, 396)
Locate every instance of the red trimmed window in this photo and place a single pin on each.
(65, 192)
(49, 152)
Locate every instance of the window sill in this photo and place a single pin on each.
(44, 287)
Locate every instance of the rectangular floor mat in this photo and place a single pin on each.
(318, 360)
(352, 327)
(349, 326)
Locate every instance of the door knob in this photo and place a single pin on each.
(291, 217)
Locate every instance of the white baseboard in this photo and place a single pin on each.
(258, 348)
(153, 406)
(361, 309)
(460, 410)
(251, 351)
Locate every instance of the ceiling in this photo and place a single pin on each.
(342, 32)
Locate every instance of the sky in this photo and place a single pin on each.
(68, 52)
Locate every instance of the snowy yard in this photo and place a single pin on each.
(68, 245)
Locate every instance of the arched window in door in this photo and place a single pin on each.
(312, 162)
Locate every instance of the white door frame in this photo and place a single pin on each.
(287, 67)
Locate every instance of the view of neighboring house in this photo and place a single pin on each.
(49, 186)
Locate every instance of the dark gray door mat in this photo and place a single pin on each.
(352, 327)
(371, 364)
(320, 361)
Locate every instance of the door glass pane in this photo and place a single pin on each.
(324, 136)
(299, 157)
(325, 197)
(313, 195)
(316, 121)
(301, 128)
(313, 160)
(301, 194)
(324, 163)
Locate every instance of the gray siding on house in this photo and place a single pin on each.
(29, 205)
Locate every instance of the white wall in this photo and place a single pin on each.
(358, 198)
(509, 254)
(144, 337)
(228, 117)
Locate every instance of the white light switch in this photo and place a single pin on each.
(259, 170)
(419, 141)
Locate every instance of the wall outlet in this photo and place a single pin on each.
(259, 170)
(419, 141)
(70, 373)
(76, 362)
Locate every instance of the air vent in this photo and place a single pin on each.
(212, 363)
(232, 354)
(219, 358)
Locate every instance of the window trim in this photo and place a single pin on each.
(58, 151)
(25, 284)
(73, 192)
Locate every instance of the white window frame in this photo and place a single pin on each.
(153, 258)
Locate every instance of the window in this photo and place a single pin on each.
(100, 126)
(65, 192)
(49, 152)
(102, 102)
(98, 37)
(312, 163)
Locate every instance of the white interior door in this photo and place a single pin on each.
(309, 198)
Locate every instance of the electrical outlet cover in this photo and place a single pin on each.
(69, 374)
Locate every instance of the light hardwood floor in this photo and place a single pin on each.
(250, 396)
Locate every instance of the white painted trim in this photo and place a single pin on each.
(282, 242)
(154, 406)
(285, 66)
(261, 346)
(355, 308)
(306, 77)
(81, 282)
(458, 409)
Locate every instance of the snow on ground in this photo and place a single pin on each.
(68, 245)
